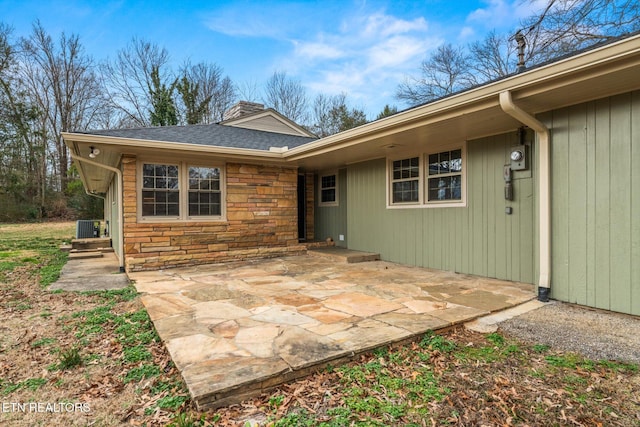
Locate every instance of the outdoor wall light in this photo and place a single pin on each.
(94, 152)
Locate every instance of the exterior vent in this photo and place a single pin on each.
(87, 229)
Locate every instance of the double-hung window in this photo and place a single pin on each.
(328, 190)
(205, 196)
(160, 190)
(180, 191)
(432, 179)
(405, 180)
(445, 176)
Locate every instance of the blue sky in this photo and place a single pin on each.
(363, 48)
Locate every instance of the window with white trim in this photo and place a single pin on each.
(435, 179)
(445, 176)
(328, 190)
(205, 195)
(160, 190)
(181, 191)
(405, 180)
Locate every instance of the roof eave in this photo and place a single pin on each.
(522, 85)
(129, 145)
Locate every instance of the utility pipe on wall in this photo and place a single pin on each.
(118, 173)
(544, 196)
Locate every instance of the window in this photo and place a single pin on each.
(435, 179)
(204, 191)
(328, 190)
(181, 191)
(405, 181)
(160, 191)
(445, 176)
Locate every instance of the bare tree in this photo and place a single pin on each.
(561, 28)
(21, 161)
(212, 92)
(128, 78)
(287, 96)
(565, 26)
(492, 58)
(60, 81)
(248, 90)
(445, 72)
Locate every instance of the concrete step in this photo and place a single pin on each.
(85, 254)
(343, 254)
(91, 243)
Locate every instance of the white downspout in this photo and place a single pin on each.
(118, 172)
(544, 192)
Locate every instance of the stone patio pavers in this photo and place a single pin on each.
(236, 329)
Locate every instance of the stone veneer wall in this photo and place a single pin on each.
(261, 221)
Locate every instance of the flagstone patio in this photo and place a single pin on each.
(235, 330)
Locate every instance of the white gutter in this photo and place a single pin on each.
(544, 194)
(118, 172)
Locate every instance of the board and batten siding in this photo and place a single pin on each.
(595, 163)
(331, 221)
(478, 239)
(111, 214)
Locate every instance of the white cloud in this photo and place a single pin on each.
(257, 19)
(359, 48)
(363, 54)
(381, 25)
(467, 33)
(319, 50)
(395, 52)
(496, 11)
(504, 14)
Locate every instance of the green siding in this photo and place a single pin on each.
(477, 239)
(331, 221)
(111, 215)
(595, 203)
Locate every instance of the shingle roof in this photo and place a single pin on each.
(211, 134)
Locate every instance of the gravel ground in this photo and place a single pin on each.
(596, 334)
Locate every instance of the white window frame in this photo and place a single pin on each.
(427, 177)
(183, 187)
(320, 188)
(423, 201)
(391, 181)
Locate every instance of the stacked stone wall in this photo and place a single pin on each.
(261, 221)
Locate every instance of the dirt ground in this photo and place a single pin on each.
(473, 379)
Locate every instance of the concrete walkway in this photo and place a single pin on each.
(91, 274)
(235, 330)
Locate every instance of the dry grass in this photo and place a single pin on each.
(125, 376)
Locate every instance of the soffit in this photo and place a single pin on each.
(477, 113)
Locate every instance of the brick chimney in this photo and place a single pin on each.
(242, 108)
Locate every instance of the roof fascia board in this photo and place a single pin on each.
(130, 144)
(537, 80)
(439, 115)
